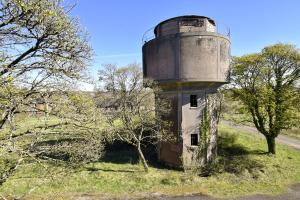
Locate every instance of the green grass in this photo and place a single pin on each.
(234, 111)
(242, 168)
(245, 119)
(294, 132)
(28, 124)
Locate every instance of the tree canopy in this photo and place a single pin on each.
(42, 51)
(266, 83)
(40, 46)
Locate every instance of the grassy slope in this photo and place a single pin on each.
(243, 169)
(235, 112)
(27, 124)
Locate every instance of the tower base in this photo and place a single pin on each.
(194, 116)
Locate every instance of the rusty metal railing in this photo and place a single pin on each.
(220, 28)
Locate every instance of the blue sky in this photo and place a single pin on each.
(116, 27)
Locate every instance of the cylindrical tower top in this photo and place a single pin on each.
(182, 24)
(187, 51)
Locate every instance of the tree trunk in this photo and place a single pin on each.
(6, 174)
(142, 158)
(2, 121)
(271, 144)
(5, 116)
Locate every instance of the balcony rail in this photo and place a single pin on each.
(220, 28)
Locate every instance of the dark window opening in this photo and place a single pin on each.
(194, 139)
(193, 101)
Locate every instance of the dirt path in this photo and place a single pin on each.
(283, 139)
(292, 194)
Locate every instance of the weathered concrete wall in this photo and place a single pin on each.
(199, 56)
(202, 57)
(191, 122)
(160, 59)
(183, 25)
(186, 120)
(188, 57)
(170, 152)
(210, 27)
(168, 28)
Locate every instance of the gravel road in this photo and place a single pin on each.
(283, 139)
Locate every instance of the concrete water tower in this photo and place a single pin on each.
(190, 61)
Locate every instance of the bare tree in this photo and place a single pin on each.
(40, 44)
(42, 50)
(131, 109)
(79, 122)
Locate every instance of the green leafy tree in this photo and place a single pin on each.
(266, 83)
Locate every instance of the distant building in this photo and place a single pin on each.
(39, 106)
(190, 61)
